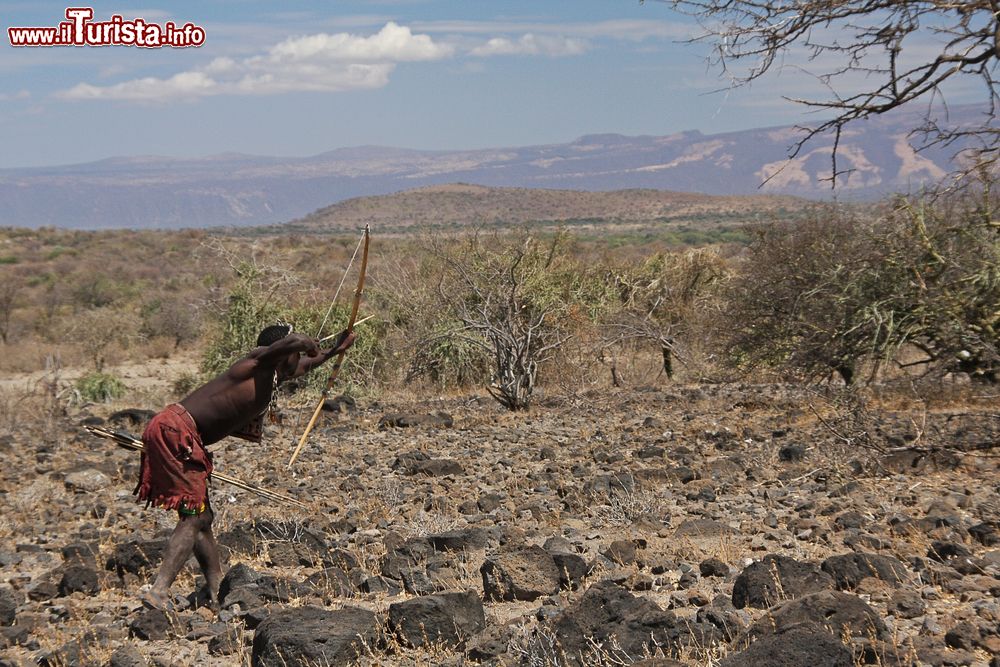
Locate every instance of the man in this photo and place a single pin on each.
(175, 466)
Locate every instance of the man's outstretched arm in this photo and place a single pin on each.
(282, 348)
(306, 364)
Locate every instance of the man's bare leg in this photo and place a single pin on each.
(178, 550)
(206, 550)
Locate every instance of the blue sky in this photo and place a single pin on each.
(300, 78)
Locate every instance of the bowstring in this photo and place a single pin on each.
(319, 334)
(333, 303)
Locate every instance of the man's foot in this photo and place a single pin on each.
(204, 598)
(152, 599)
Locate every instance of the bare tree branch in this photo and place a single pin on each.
(872, 55)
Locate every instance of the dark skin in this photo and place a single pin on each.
(220, 407)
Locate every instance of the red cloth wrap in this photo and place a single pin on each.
(175, 466)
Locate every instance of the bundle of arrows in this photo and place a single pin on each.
(129, 441)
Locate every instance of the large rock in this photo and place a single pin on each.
(525, 574)
(468, 539)
(312, 636)
(842, 614)
(573, 569)
(777, 578)
(79, 579)
(332, 581)
(419, 463)
(238, 576)
(8, 606)
(721, 613)
(279, 589)
(151, 625)
(132, 417)
(407, 420)
(127, 656)
(637, 624)
(136, 557)
(796, 648)
(444, 618)
(849, 569)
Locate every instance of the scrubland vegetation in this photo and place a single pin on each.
(909, 286)
(905, 291)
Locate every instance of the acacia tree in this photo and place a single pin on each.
(515, 298)
(872, 55)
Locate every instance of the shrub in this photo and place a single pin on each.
(185, 384)
(801, 297)
(836, 291)
(100, 387)
(447, 360)
(666, 299)
(171, 318)
(250, 307)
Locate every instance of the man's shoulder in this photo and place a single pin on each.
(250, 365)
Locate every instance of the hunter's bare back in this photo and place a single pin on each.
(229, 401)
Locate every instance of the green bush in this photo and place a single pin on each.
(253, 304)
(250, 307)
(100, 387)
(449, 361)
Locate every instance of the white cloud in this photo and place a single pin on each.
(532, 45)
(623, 29)
(393, 43)
(319, 63)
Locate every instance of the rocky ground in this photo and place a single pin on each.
(718, 525)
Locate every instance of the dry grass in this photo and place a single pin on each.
(625, 506)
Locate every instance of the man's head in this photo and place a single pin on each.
(273, 333)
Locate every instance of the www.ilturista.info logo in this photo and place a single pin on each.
(80, 30)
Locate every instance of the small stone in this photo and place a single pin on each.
(87, 481)
(713, 567)
(621, 552)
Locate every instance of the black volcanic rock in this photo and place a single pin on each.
(838, 613)
(802, 647)
(637, 624)
(775, 578)
(79, 578)
(525, 574)
(849, 569)
(310, 635)
(135, 557)
(445, 618)
(8, 606)
(405, 420)
(150, 625)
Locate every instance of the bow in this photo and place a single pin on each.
(335, 371)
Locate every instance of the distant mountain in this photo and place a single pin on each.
(244, 190)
